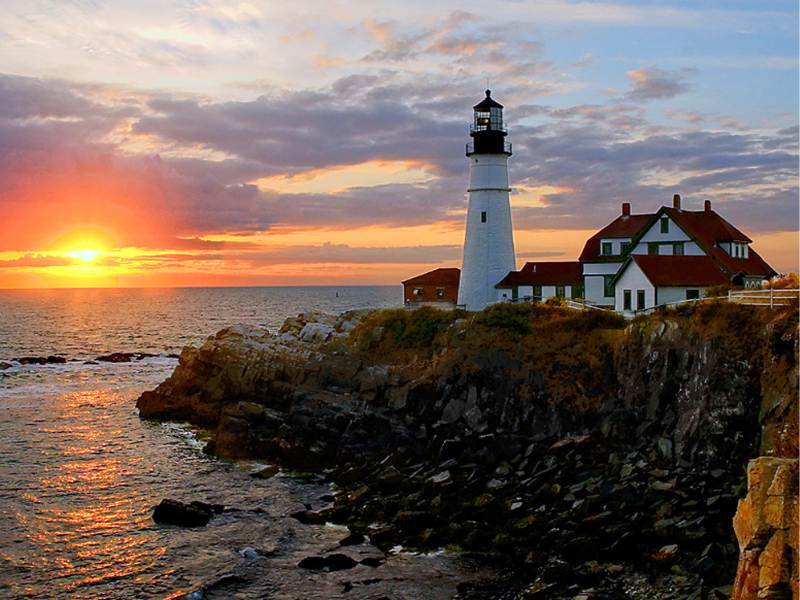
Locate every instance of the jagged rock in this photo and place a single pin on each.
(266, 472)
(249, 553)
(766, 525)
(353, 539)
(41, 360)
(123, 357)
(311, 517)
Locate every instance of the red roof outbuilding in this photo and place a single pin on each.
(544, 273)
(444, 276)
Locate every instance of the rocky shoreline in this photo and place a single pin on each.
(592, 457)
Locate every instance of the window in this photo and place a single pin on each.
(677, 249)
(440, 292)
(577, 291)
(652, 248)
(639, 299)
(514, 293)
(560, 293)
(418, 291)
(664, 225)
(624, 246)
(608, 286)
(537, 293)
(606, 249)
(483, 216)
(692, 294)
(626, 299)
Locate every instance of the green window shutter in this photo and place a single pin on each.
(664, 225)
(677, 249)
(652, 248)
(626, 299)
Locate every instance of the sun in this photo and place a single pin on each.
(84, 255)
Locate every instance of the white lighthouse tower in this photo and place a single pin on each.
(489, 239)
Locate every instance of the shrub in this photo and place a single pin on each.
(409, 328)
(505, 315)
(589, 320)
(790, 281)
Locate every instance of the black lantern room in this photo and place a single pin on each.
(488, 130)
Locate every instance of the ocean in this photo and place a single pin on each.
(80, 473)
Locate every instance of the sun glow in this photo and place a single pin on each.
(84, 255)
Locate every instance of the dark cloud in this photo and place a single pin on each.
(656, 84)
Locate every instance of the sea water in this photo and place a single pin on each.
(80, 473)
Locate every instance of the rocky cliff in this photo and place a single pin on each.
(597, 454)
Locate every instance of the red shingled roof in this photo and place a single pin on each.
(445, 276)
(544, 273)
(666, 271)
(708, 229)
(624, 226)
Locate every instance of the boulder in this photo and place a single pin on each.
(174, 512)
(331, 562)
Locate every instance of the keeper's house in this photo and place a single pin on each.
(639, 261)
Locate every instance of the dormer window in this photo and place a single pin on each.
(739, 250)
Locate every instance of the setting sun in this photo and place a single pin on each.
(84, 255)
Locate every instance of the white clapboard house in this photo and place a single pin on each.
(639, 261)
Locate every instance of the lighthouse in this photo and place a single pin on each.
(489, 238)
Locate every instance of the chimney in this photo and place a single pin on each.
(676, 202)
(626, 209)
(707, 206)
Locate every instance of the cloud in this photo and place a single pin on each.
(201, 156)
(37, 261)
(656, 84)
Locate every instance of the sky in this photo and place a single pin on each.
(202, 142)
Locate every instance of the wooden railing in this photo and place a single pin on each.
(770, 298)
(576, 305)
